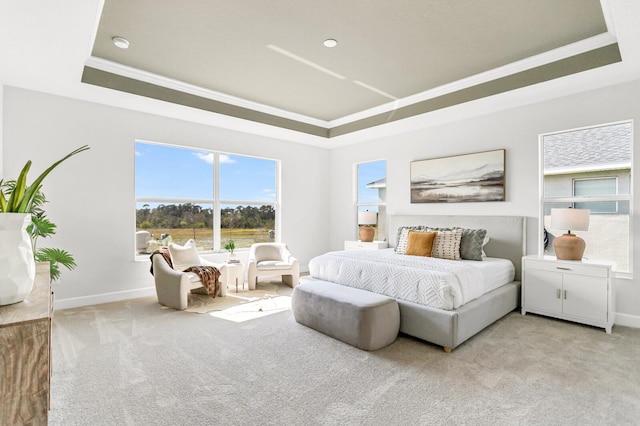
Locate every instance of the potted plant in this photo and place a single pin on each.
(230, 247)
(18, 202)
(41, 226)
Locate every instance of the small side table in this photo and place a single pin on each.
(359, 245)
(234, 275)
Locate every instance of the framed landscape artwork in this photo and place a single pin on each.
(460, 178)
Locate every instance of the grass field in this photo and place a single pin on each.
(243, 238)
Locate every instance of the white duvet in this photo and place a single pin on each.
(439, 283)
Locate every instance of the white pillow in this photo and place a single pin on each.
(184, 256)
(403, 239)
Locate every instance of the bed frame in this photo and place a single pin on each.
(450, 328)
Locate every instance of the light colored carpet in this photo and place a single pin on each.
(136, 363)
(268, 298)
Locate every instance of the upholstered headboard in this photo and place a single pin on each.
(507, 233)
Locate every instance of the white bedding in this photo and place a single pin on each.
(439, 283)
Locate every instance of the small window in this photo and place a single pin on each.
(372, 193)
(595, 187)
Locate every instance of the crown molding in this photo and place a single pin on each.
(169, 83)
(545, 58)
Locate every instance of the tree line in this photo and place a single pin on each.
(190, 215)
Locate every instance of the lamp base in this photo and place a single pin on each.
(569, 247)
(366, 234)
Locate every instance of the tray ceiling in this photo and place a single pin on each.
(266, 62)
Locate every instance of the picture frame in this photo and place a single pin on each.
(475, 177)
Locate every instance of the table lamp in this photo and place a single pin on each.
(569, 246)
(365, 220)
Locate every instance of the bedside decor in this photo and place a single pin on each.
(460, 178)
(569, 246)
(366, 220)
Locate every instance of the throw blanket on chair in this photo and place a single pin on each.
(209, 275)
(164, 251)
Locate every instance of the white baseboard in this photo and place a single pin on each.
(627, 320)
(96, 299)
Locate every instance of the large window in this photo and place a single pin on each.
(211, 197)
(590, 168)
(371, 193)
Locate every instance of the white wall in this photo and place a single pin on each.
(95, 214)
(517, 131)
(92, 195)
(1, 132)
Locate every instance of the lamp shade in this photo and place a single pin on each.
(367, 218)
(570, 219)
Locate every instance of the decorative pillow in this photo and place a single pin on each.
(403, 235)
(447, 244)
(484, 243)
(471, 243)
(184, 256)
(420, 243)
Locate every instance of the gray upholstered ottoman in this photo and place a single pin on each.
(360, 318)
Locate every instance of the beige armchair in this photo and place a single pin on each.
(173, 286)
(142, 241)
(269, 259)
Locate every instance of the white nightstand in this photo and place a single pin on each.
(579, 291)
(359, 245)
(234, 276)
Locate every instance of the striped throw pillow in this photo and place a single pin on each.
(447, 244)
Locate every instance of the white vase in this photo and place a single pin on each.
(16, 258)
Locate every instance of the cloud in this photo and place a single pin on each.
(138, 153)
(225, 159)
(207, 157)
(269, 192)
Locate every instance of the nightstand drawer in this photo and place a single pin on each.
(577, 268)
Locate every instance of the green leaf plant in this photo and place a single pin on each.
(18, 197)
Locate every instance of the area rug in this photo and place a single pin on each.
(268, 298)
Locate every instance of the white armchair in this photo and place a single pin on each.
(142, 241)
(173, 285)
(269, 259)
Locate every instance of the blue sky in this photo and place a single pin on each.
(367, 173)
(171, 172)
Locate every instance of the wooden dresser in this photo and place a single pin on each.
(25, 355)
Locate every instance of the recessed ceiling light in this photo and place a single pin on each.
(330, 43)
(120, 42)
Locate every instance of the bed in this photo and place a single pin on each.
(451, 323)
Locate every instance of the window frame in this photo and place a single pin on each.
(216, 202)
(582, 199)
